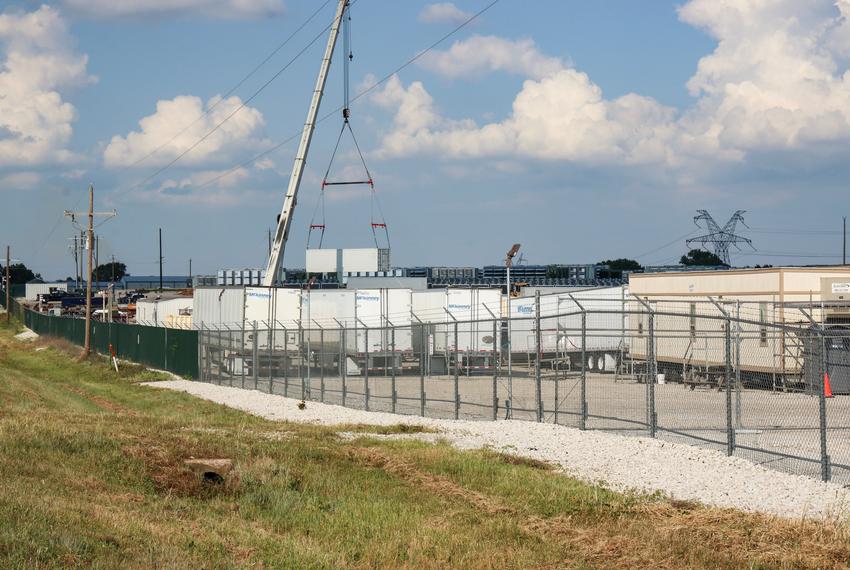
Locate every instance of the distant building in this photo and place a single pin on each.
(518, 272)
(680, 268)
(152, 282)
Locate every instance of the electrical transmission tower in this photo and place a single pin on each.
(720, 238)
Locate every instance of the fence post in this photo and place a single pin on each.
(392, 356)
(824, 370)
(242, 355)
(583, 388)
(200, 349)
(730, 429)
(538, 350)
(270, 341)
(286, 361)
(495, 373)
(423, 349)
(301, 368)
(366, 368)
(321, 363)
(255, 364)
(456, 378)
(344, 358)
(652, 366)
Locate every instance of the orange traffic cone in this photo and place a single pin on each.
(827, 389)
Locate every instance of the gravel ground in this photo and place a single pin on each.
(618, 462)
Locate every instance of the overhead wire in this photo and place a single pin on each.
(362, 93)
(668, 244)
(231, 115)
(235, 87)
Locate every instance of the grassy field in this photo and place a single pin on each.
(92, 475)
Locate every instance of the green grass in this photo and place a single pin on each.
(92, 475)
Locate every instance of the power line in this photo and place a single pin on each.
(666, 245)
(789, 254)
(232, 114)
(235, 87)
(372, 87)
(794, 232)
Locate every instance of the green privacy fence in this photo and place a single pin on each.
(167, 349)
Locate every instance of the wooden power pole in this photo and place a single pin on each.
(90, 247)
(8, 284)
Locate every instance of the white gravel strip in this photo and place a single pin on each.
(619, 462)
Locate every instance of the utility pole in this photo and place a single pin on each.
(113, 268)
(97, 254)
(87, 347)
(844, 244)
(190, 272)
(76, 264)
(8, 285)
(160, 260)
(90, 246)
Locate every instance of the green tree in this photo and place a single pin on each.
(113, 271)
(622, 264)
(19, 273)
(700, 257)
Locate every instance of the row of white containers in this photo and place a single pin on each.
(423, 320)
(605, 329)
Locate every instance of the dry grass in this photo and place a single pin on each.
(93, 475)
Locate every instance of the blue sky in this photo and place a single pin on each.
(584, 130)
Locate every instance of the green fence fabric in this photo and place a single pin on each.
(166, 349)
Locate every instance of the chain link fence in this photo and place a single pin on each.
(765, 382)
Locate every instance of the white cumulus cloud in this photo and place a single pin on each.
(207, 187)
(239, 132)
(560, 117)
(778, 80)
(491, 53)
(38, 64)
(219, 9)
(443, 12)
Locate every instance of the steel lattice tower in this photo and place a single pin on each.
(720, 238)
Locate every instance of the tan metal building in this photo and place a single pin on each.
(690, 328)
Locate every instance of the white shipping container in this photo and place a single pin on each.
(215, 307)
(442, 308)
(272, 304)
(277, 309)
(323, 313)
(162, 312)
(328, 309)
(381, 308)
(561, 329)
(324, 260)
(365, 260)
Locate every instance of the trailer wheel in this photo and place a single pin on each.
(600, 363)
(591, 362)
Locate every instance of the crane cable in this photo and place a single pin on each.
(346, 126)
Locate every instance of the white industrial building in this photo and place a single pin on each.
(767, 299)
(33, 290)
